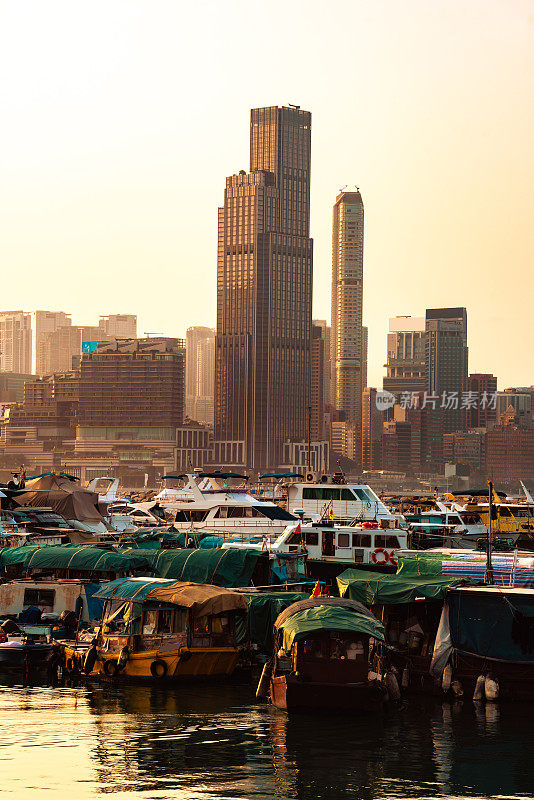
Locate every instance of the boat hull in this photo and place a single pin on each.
(25, 656)
(291, 694)
(180, 664)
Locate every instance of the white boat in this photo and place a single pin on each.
(207, 503)
(340, 501)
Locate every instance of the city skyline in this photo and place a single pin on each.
(104, 176)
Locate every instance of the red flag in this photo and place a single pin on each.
(316, 590)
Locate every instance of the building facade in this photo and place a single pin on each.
(199, 374)
(482, 411)
(118, 326)
(372, 422)
(56, 349)
(406, 356)
(347, 337)
(15, 342)
(44, 323)
(264, 294)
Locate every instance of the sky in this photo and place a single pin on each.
(120, 120)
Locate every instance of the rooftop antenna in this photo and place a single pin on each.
(151, 333)
(292, 105)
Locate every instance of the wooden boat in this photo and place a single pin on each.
(155, 629)
(321, 658)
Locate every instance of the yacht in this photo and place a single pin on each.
(208, 503)
(323, 497)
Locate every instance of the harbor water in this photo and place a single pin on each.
(199, 742)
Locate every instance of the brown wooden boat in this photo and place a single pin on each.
(321, 658)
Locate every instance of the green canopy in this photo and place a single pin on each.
(83, 558)
(263, 609)
(426, 563)
(376, 588)
(157, 538)
(230, 567)
(129, 589)
(327, 618)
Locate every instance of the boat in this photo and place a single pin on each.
(24, 653)
(321, 657)
(159, 629)
(331, 497)
(448, 527)
(485, 642)
(410, 606)
(510, 517)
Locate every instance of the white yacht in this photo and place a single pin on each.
(207, 502)
(337, 500)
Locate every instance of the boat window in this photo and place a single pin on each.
(522, 512)
(504, 512)
(201, 626)
(321, 493)
(275, 512)
(361, 540)
(180, 619)
(295, 537)
(346, 494)
(392, 541)
(364, 495)
(39, 597)
(150, 619)
(311, 538)
(164, 621)
(180, 516)
(380, 540)
(343, 540)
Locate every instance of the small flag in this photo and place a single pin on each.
(332, 515)
(316, 590)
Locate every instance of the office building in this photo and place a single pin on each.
(12, 386)
(517, 404)
(347, 344)
(45, 322)
(406, 356)
(264, 295)
(482, 410)
(15, 342)
(118, 326)
(372, 421)
(199, 374)
(327, 372)
(317, 405)
(57, 349)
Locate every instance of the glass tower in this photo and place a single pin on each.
(264, 294)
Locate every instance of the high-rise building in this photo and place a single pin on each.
(372, 421)
(347, 338)
(482, 411)
(406, 356)
(317, 422)
(516, 403)
(15, 342)
(118, 326)
(199, 373)
(45, 322)
(327, 372)
(365, 345)
(57, 349)
(264, 294)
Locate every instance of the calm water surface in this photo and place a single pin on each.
(218, 742)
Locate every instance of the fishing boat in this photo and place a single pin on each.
(321, 657)
(159, 629)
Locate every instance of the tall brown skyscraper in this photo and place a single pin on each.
(348, 343)
(264, 294)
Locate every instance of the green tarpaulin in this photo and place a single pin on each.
(426, 564)
(156, 538)
(328, 617)
(373, 588)
(263, 609)
(79, 558)
(230, 568)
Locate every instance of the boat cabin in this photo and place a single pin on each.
(342, 502)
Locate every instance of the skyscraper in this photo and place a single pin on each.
(325, 335)
(15, 342)
(199, 373)
(118, 326)
(406, 356)
(264, 294)
(347, 295)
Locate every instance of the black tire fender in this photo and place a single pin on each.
(159, 668)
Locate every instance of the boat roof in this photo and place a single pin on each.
(202, 598)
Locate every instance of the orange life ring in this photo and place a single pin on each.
(383, 552)
(393, 557)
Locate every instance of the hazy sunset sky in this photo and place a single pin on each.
(120, 120)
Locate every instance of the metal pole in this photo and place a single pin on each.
(488, 578)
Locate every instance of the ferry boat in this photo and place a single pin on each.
(155, 629)
(321, 657)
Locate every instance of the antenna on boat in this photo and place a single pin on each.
(488, 577)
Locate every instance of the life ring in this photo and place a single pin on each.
(110, 667)
(374, 556)
(159, 668)
(393, 558)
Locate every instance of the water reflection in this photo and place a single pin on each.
(217, 742)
